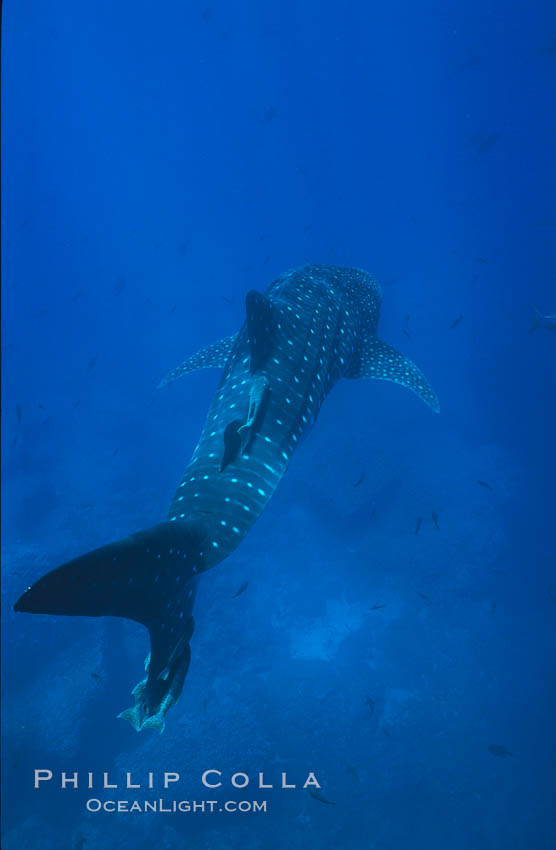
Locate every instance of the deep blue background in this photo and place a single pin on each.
(158, 161)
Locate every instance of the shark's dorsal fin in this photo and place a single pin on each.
(377, 359)
(260, 326)
(212, 356)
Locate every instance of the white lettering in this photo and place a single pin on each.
(261, 782)
(206, 783)
(171, 777)
(68, 780)
(311, 780)
(42, 776)
(107, 784)
(236, 780)
(285, 782)
(128, 783)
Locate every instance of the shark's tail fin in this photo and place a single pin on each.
(149, 577)
(535, 319)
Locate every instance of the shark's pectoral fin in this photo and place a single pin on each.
(260, 327)
(212, 356)
(149, 577)
(377, 359)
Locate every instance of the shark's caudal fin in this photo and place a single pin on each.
(212, 356)
(149, 577)
(377, 359)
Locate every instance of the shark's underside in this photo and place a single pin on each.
(312, 326)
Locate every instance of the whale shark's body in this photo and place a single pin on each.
(312, 326)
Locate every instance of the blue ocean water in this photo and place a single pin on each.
(157, 163)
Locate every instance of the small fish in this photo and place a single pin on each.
(482, 260)
(376, 607)
(173, 309)
(19, 413)
(407, 318)
(484, 484)
(499, 750)
(269, 114)
(227, 300)
(241, 589)
(360, 480)
(537, 320)
(549, 50)
(406, 333)
(326, 696)
(435, 520)
(316, 796)
(372, 510)
(353, 771)
(78, 841)
(551, 594)
(92, 362)
(370, 703)
(307, 228)
(418, 524)
(96, 676)
(492, 608)
(119, 286)
(423, 595)
(487, 143)
(456, 321)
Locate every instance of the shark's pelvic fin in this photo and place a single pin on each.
(377, 359)
(149, 577)
(260, 327)
(212, 356)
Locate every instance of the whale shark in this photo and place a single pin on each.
(311, 327)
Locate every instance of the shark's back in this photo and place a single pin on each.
(308, 324)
